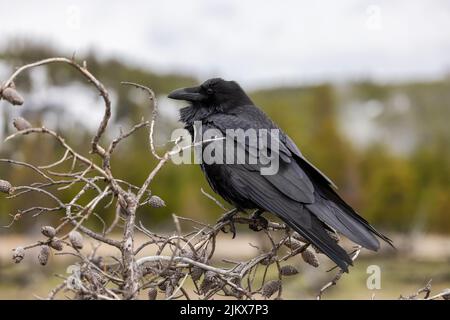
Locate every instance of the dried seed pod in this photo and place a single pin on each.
(95, 278)
(76, 239)
(48, 231)
(162, 286)
(152, 293)
(210, 275)
(270, 288)
(5, 187)
(147, 269)
(288, 270)
(21, 124)
(12, 96)
(237, 293)
(166, 272)
(267, 261)
(44, 255)
(169, 291)
(293, 244)
(188, 254)
(310, 258)
(18, 254)
(156, 202)
(196, 273)
(208, 282)
(56, 244)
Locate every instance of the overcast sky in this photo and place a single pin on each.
(253, 41)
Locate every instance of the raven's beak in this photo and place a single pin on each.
(188, 94)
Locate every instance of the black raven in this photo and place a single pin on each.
(302, 196)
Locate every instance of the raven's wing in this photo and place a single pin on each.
(292, 147)
(332, 209)
(260, 191)
(283, 194)
(300, 181)
(290, 179)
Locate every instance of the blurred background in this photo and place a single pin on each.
(363, 87)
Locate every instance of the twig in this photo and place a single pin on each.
(338, 276)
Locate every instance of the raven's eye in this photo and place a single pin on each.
(209, 91)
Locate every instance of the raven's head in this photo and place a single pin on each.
(214, 92)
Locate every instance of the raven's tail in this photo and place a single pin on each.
(334, 212)
(331, 209)
(325, 214)
(317, 235)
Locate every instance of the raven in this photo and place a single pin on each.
(299, 193)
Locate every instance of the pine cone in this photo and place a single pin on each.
(196, 273)
(12, 96)
(76, 239)
(5, 187)
(310, 258)
(56, 244)
(152, 293)
(208, 282)
(44, 255)
(293, 244)
(18, 254)
(48, 231)
(270, 288)
(156, 202)
(267, 261)
(162, 286)
(288, 270)
(21, 124)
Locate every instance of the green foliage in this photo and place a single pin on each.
(390, 190)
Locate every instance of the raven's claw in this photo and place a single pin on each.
(228, 219)
(258, 222)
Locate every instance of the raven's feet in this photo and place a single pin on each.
(258, 222)
(227, 219)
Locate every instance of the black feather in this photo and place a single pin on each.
(302, 196)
